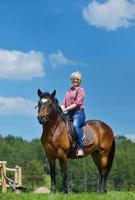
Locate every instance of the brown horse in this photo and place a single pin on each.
(58, 144)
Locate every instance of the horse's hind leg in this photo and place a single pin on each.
(101, 161)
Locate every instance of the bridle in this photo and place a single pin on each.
(51, 116)
(44, 119)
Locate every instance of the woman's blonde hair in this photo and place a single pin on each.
(76, 75)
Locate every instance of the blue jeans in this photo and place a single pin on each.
(78, 119)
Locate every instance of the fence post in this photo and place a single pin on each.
(15, 174)
(18, 175)
(3, 175)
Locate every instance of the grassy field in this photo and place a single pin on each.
(81, 196)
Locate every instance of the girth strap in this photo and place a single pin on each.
(70, 131)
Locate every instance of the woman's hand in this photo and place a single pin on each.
(63, 108)
(71, 107)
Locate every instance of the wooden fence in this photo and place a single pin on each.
(6, 182)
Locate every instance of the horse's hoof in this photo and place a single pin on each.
(65, 191)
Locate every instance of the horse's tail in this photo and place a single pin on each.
(111, 155)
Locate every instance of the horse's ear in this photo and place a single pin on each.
(40, 94)
(53, 93)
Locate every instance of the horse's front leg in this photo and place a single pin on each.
(63, 164)
(52, 174)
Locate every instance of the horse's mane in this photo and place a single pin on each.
(57, 107)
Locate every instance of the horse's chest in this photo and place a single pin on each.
(50, 148)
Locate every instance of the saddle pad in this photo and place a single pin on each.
(89, 137)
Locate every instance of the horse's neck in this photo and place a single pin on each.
(56, 131)
(52, 124)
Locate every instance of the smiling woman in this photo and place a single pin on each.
(73, 105)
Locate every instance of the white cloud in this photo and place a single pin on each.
(58, 59)
(20, 65)
(110, 15)
(16, 106)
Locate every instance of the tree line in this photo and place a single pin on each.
(82, 173)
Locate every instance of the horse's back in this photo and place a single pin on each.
(98, 124)
(102, 132)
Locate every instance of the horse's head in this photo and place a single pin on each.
(46, 106)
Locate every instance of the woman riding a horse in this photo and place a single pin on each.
(58, 143)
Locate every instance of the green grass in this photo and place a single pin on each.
(81, 196)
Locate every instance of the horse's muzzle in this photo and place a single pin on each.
(42, 120)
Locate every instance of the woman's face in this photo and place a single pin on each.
(75, 81)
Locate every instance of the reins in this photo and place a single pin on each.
(52, 115)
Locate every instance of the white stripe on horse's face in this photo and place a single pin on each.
(44, 100)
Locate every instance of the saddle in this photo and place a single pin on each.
(87, 139)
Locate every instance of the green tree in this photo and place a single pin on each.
(34, 175)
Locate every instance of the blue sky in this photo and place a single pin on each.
(42, 42)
